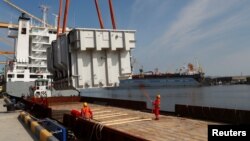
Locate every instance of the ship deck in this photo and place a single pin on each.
(140, 124)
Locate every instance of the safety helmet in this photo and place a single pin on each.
(158, 96)
(85, 104)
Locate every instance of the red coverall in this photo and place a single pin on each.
(86, 113)
(156, 109)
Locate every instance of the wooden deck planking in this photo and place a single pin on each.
(167, 128)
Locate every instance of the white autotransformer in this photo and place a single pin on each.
(87, 58)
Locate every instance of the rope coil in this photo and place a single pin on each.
(97, 128)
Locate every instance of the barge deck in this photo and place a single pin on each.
(140, 124)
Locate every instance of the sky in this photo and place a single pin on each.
(169, 33)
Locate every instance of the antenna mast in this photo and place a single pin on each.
(56, 18)
(23, 11)
(45, 10)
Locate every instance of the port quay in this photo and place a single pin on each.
(66, 82)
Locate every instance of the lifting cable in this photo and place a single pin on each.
(145, 94)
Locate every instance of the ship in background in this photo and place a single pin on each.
(188, 75)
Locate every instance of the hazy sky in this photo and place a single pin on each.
(170, 33)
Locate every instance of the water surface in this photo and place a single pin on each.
(221, 96)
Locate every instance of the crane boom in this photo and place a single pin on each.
(9, 57)
(7, 25)
(7, 42)
(6, 52)
(3, 62)
(23, 11)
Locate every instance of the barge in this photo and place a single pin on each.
(112, 121)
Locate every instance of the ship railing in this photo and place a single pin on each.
(38, 47)
(20, 71)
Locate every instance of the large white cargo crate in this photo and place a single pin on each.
(96, 58)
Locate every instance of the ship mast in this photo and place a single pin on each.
(56, 19)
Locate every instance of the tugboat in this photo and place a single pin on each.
(42, 88)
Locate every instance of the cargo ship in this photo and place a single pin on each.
(187, 76)
(27, 73)
(30, 62)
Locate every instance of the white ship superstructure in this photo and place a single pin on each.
(30, 61)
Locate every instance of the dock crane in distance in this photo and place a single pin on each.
(7, 42)
(3, 63)
(8, 25)
(5, 53)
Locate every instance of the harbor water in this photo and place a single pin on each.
(220, 96)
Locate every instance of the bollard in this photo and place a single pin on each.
(9, 104)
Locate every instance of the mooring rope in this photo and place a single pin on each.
(98, 131)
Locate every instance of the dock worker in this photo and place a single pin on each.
(86, 112)
(156, 105)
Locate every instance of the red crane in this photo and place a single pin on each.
(112, 14)
(65, 18)
(99, 14)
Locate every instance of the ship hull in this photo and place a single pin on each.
(19, 89)
(130, 86)
(159, 82)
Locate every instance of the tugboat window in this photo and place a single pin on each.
(10, 75)
(36, 76)
(20, 76)
(49, 76)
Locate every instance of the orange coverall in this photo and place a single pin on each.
(156, 109)
(86, 113)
